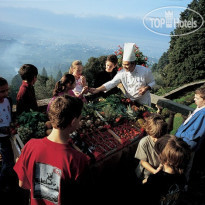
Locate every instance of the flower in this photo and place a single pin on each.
(140, 58)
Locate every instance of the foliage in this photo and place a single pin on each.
(44, 72)
(178, 120)
(59, 75)
(31, 124)
(163, 90)
(140, 58)
(14, 87)
(92, 68)
(186, 100)
(44, 87)
(186, 53)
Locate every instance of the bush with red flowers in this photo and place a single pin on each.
(140, 58)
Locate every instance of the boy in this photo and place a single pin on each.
(192, 130)
(6, 152)
(165, 186)
(155, 126)
(50, 167)
(26, 98)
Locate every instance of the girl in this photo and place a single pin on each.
(7, 176)
(107, 75)
(65, 86)
(165, 186)
(76, 69)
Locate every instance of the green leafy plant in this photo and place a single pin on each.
(31, 124)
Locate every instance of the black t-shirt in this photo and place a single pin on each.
(163, 188)
(104, 77)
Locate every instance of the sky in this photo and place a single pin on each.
(106, 23)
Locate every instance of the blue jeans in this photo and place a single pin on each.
(7, 164)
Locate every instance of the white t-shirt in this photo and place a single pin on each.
(79, 86)
(5, 115)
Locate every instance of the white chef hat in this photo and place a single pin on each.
(129, 52)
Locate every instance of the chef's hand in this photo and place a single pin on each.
(144, 89)
(93, 90)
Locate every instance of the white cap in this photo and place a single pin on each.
(129, 52)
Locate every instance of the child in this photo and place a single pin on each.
(81, 84)
(50, 167)
(192, 130)
(155, 126)
(107, 74)
(26, 98)
(65, 86)
(165, 186)
(6, 152)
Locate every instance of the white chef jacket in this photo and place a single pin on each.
(132, 81)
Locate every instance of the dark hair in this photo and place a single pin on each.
(3, 81)
(201, 91)
(174, 152)
(155, 125)
(61, 84)
(112, 58)
(28, 72)
(63, 110)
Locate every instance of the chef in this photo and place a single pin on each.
(136, 79)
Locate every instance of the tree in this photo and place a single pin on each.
(44, 72)
(50, 85)
(186, 53)
(59, 75)
(92, 68)
(14, 87)
(40, 87)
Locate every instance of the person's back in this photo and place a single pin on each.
(26, 98)
(165, 186)
(50, 167)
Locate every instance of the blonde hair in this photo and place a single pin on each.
(155, 125)
(74, 65)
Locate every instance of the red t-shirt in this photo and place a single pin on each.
(44, 166)
(26, 98)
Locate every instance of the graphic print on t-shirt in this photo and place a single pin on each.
(46, 182)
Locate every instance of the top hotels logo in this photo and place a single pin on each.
(164, 20)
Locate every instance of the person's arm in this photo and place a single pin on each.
(97, 90)
(20, 183)
(150, 80)
(148, 167)
(194, 131)
(84, 82)
(144, 89)
(84, 91)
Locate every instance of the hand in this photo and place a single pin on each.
(84, 90)
(144, 181)
(93, 90)
(143, 90)
(160, 167)
(83, 79)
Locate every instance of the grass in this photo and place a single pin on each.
(178, 120)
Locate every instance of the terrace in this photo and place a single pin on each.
(107, 169)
